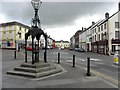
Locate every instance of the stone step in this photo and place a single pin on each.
(36, 65)
(35, 75)
(34, 70)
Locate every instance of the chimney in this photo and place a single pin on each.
(106, 15)
(119, 6)
(82, 28)
(93, 23)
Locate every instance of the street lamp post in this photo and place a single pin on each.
(35, 32)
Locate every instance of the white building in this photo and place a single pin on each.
(62, 44)
(114, 32)
(103, 36)
(83, 39)
(72, 42)
(12, 34)
(49, 42)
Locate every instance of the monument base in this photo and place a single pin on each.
(36, 70)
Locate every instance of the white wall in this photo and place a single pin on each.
(112, 29)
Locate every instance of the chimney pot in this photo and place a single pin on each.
(82, 28)
(106, 15)
(93, 23)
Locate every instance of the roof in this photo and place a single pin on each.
(109, 17)
(61, 41)
(14, 23)
(98, 23)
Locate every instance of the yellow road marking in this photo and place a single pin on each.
(106, 77)
(101, 75)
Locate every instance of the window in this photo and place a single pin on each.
(95, 37)
(105, 26)
(116, 24)
(20, 36)
(99, 37)
(13, 28)
(113, 48)
(19, 28)
(98, 29)
(117, 34)
(95, 30)
(25, 30)
(90, 39)
(102, 28)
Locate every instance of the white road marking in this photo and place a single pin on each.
(93, 59)
(57, 53)
(115, 66)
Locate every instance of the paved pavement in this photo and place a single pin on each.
(72, 78)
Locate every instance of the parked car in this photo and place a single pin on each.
(71, 49)
(76, 49)
(29, 48)
(81, 50)
(62, 48)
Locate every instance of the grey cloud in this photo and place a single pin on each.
(54, 13)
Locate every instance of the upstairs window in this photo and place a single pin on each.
(95, 37)
(95, 30)
(99, 37)
(117, 34)
(105, 26)
(98, 29)
(19, 28)
(116, 24)
(102, 28)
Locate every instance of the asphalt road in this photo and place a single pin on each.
(101, 65)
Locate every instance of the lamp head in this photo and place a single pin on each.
(36, 4)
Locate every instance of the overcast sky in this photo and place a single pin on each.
(59, 19)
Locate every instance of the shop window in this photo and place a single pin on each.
(113, 48)
(8, 43)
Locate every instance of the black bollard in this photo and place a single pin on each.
(88, 67)
(15, 54)
(73, 60)
(58, 58)
(25, 55)
(45, 57)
